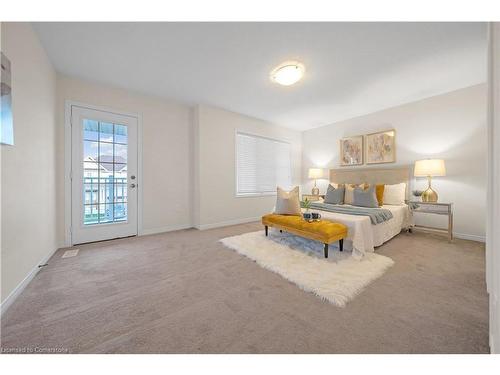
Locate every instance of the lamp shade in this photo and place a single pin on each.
(429, 167)
(315, 173)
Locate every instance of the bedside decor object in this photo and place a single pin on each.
(381, 147)
(351, 151)
(445, 209)
(315, 173)
(429, 168)
(417, 193)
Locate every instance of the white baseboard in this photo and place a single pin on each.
(20, 287)
(170, 228)
(463, 236)
(227, 223)
(471, 237)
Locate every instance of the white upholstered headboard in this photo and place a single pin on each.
(388, 176)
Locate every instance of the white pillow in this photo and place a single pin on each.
(288, 202)
(395, 194)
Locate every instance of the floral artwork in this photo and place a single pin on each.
(351, 151)
(381, 147)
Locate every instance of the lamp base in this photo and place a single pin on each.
(315, 191)
(429, 196)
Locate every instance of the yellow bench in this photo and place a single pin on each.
(324, 231)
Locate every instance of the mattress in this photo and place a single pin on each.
(363, 236)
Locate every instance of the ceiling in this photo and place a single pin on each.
(351, 68)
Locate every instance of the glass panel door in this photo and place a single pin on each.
(104, 172)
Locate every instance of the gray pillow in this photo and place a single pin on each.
(334, 196)
(365, 198)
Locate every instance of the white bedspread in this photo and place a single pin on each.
(362, 235)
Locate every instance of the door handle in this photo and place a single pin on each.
(132, 186)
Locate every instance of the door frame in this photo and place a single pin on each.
(68, 104)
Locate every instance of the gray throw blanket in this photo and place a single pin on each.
(376, 215)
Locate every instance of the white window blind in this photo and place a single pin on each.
(262, 164)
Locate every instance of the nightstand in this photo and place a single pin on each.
(436, 209)
(311, 197)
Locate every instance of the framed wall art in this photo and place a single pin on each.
(351, 151)
(381, 147)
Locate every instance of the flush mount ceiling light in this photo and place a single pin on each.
(288, 73)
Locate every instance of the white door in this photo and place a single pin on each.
(103, 175)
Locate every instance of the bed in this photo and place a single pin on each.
(363, 236)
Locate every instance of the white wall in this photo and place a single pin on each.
(167, 150)
(29, 167)
(214, 165)
(450, 127)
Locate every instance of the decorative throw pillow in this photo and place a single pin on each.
(335, 196)
(349, 189)
(287, 202)
(379, 192)
(395, 194)
(365, 198)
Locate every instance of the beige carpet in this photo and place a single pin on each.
(184, 292)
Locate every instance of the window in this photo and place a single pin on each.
(261, 165)
(105, 172)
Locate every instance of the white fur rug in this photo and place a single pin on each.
(337, 279)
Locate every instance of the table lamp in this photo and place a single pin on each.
(315, 173)
(429, 168)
